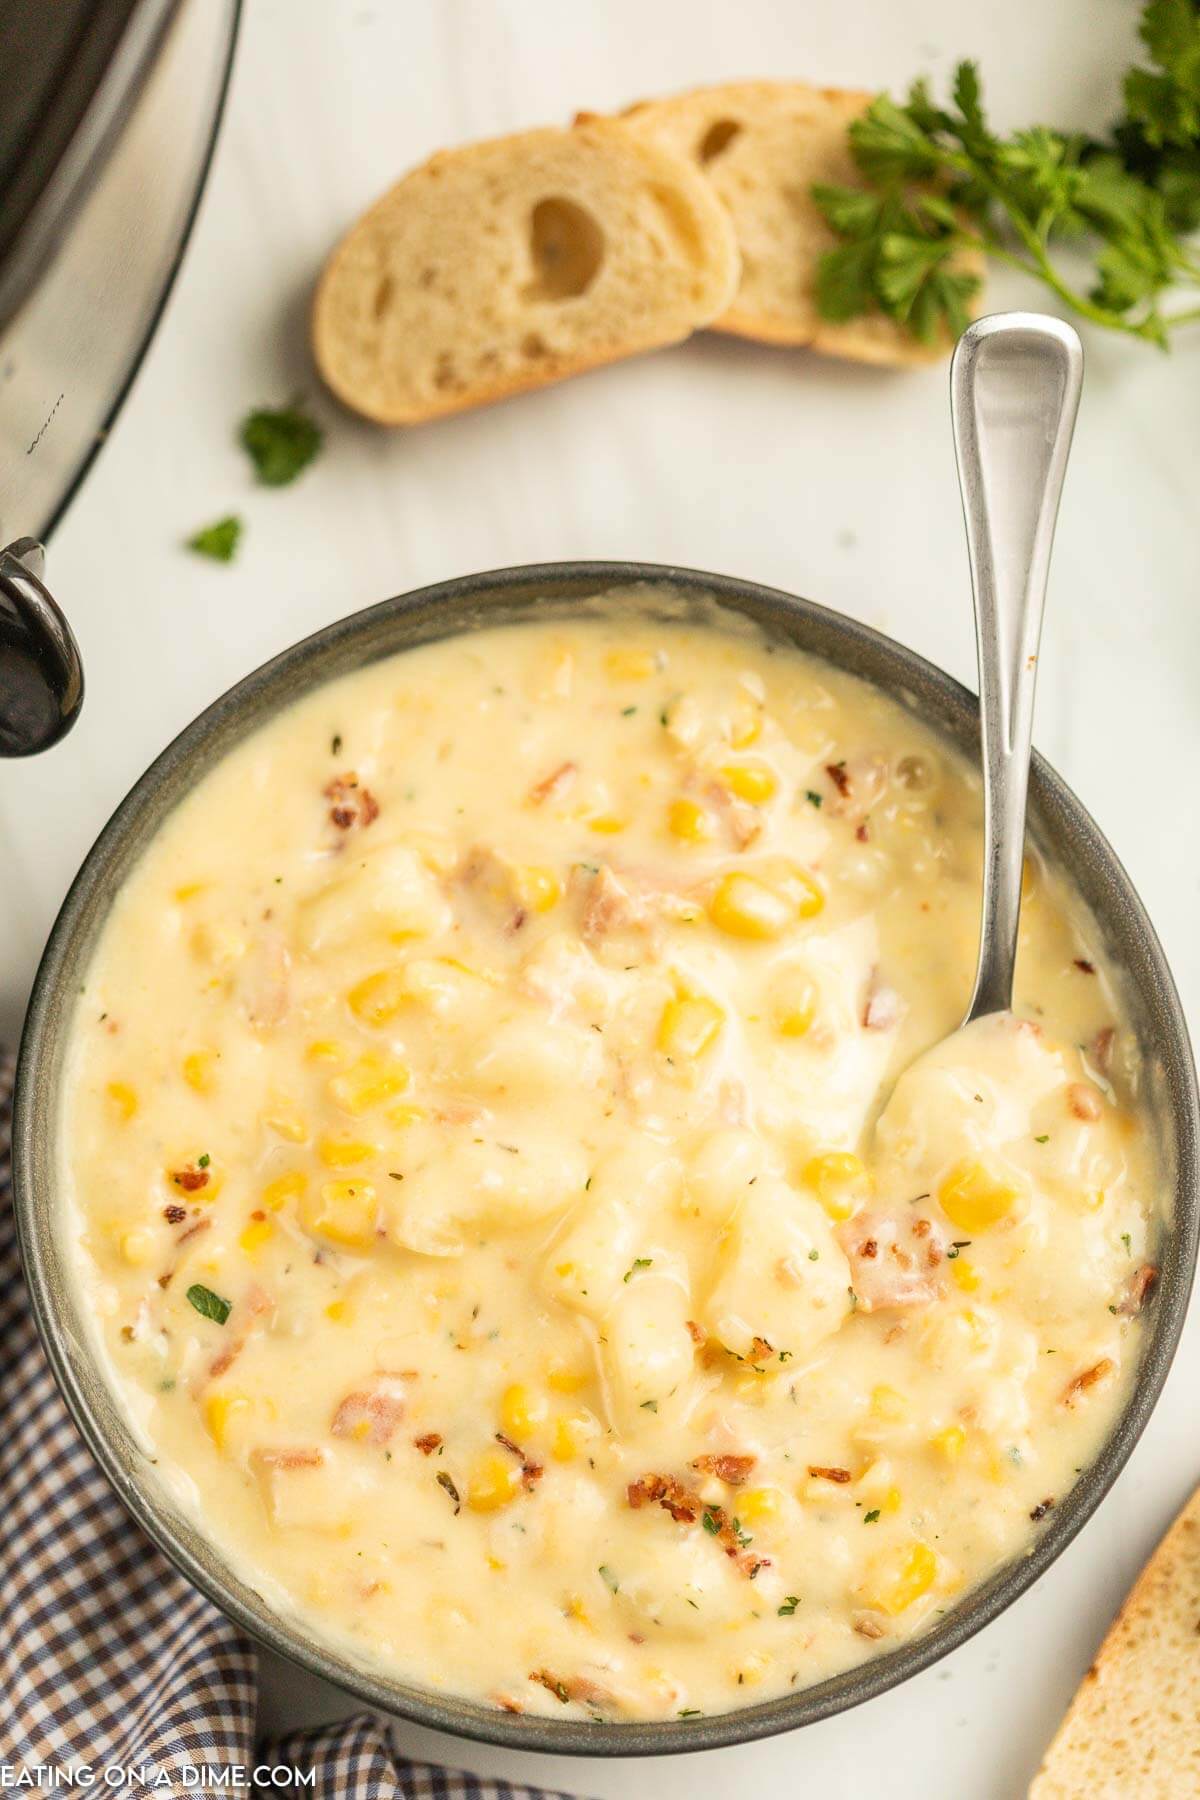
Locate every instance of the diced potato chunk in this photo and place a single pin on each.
(783, 1279)
(390, 892)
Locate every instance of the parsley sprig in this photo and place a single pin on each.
(944, 190)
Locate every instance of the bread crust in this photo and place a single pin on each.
(436, 218)
(1133, 1727)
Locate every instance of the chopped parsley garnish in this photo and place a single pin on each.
(789, 1606)
(444, 1481)
(1128, 1243)
(710, 1519)
(627, 712)
(280, 441)
(690, 1712)
(956, 1246)
(871, 1517)
(608, 1578)
(335, 744)
(1044, 1139)
(814, 1256)
(202, 1162)
(639, 1262)
(649, 1406)
(209, 1305)
(812, 796)
(219, 541)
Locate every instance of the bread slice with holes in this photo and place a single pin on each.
(762, 145)
(510, 264)
(1133, 1728)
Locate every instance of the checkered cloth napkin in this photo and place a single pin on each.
(108, 1658)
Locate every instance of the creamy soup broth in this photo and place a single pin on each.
(475, 1182)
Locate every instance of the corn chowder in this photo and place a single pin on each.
(478, 1183)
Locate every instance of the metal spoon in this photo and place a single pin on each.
(41, 675)
(1014, 393)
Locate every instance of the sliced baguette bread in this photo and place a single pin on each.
(510, 264)
(1133, 1728)
(762, 145)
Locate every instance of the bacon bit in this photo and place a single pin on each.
(553, 784)
(531, 1472)
(861, 833)
(868, 1626)
(841, 780)
(1137, 1291)
(1084, 966)
(428, 1442)
(372, 1414)
(1041, 1509)
(883, 1008)
(886, 1271)
(1102, 1049)
(760, 1350)
(841, 1476)
(1087, 1378)
(192, 1231)
(683, 1505)
(506, 1703)
(733, 1470)
(1083, 1102)
(191, 1179)
(174, 1214)
(696, 1332)
(256, 1303)
(351, 804)
(576, 1687)
(552, 1684)
(289, 1459)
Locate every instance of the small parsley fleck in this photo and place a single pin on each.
(209, 1305)
(813, 798)
(872, 1517)
(639, 1262)
(219, 542)
(789, 1606)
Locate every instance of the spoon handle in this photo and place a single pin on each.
(1014, 393)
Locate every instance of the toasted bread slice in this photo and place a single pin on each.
(762, 145)
(1133, 1728)
(510, 264)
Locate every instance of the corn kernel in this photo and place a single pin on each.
(753, 906)
(565, 1380)
(188, 891)
(198, 1070)
(607, 824)
(345, 1212)
(887, 1403)
(378, 998)
(284, 1120)
(949, 1442)
(123, 1099)
(537, 889)
(255, 1234)
(758, 1505)
(369, 1083)
(631, 665)
(750, 781)
(688, 820)
(220, 1410)
(403, 1116)
(839, 1180)
(689, 1026)
(521, 1412)
(495, 1480)
(569, 1435)
(973, 1198)
(284, 1188)
(964, 1275)
(325, 1050)
(137, 1247)
(793, 1003)
(578, 1611)
(745, 727)
(914, 1576)
(891, 1501)
(345, 1153)
(341, 1312)
(495, 1562)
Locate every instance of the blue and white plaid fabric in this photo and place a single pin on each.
(109, 1660)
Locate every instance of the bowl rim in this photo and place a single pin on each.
(70, 1358)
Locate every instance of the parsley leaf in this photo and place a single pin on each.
(218, 541)
(280, 441)
(941, 191)
(209, 1305)
(789, 1606)
(872, 1517)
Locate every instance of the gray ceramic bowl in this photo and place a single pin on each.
(1064, 833)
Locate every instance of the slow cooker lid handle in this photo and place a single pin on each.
(41, 673)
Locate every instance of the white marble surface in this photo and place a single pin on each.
(829, 480)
